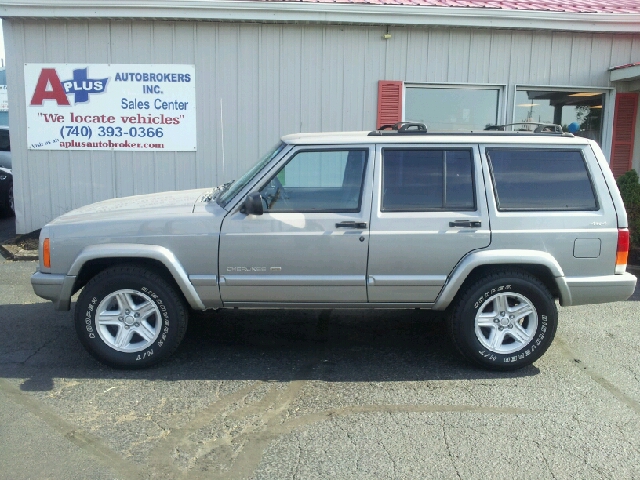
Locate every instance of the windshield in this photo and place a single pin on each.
(234, 187)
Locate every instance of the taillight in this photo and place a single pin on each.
(46, 253)
(622, 252)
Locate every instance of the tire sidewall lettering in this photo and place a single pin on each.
(89, 318)
(164, 330)
(489, 293)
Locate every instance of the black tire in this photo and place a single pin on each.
(166, 317)
(512, 286)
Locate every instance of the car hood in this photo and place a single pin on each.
(139, 206)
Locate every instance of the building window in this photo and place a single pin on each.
(452, 108)
(578, 111)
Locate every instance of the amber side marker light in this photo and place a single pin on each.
(46, 253)
(622, 251)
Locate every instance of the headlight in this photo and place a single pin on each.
(3, 177)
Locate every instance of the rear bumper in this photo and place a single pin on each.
(609, 288)
(56, 288)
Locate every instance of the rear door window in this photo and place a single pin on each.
(541, 179)
(427, 180)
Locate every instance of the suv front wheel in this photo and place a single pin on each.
(130, 317)
(505, 321)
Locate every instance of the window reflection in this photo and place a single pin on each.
(578, 112)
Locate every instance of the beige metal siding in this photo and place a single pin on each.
(272, 80)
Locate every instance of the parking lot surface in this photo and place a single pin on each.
(269, 394)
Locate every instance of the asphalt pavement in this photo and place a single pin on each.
(344, 394)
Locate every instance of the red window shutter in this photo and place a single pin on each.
(624, 131)
(389, 102)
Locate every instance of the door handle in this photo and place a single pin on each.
(358, 225)
(465, 223)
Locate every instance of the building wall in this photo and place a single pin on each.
(268, 80)
(4, 116)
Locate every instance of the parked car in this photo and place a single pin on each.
(5, 148)
(491, 227)
(6, 192)
(6, 176)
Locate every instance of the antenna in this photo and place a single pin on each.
(222, 135)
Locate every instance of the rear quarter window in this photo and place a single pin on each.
(541, 179)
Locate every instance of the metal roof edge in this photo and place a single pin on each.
(335, 13)
(627, 74)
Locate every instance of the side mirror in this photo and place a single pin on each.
(252, 204)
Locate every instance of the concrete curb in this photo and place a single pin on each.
(13, 252)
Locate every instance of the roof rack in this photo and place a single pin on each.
(415, 128)
(403, 128)
(540, 127)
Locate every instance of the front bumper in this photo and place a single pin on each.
(56, 288)
(609, 288)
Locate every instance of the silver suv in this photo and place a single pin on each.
(491, 227)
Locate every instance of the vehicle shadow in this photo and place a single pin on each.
(635, 270)
(40, 345)
(7, 227)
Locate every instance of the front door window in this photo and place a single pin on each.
(317, 181)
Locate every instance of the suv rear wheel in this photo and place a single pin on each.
(505, 321)
(129, 317)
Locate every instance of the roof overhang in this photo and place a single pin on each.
(625, 74)
(333, 13)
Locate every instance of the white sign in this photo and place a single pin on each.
(4, 99)
(111, 107)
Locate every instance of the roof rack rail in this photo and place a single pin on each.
(540, 127)
(404, 128)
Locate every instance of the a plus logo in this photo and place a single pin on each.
(81, 86)
(49, 87)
